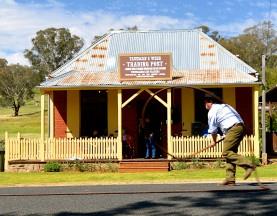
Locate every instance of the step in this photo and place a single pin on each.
(144, 166)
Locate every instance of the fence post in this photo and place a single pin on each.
(256, 146)
(7, 152)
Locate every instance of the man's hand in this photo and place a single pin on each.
(213, 144)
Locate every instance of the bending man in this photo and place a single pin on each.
(226, 118)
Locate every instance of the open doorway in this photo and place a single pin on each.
(200, 126)
(133, 114)
(93, 113)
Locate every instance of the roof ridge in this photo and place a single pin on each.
(155, 30)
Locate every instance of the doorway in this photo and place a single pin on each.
(93, 113)
(133, 115)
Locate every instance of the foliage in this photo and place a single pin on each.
(51, 49)
(98, 37)
(16, 86)
(52, 167)
(271, 123)
(255, 161)
(179, 165)
(219, 163)
(266, 33)
(248, 47)
(81, 166)
(255, 41)
(271, 77)
(214, 34)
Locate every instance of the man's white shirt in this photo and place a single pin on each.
(222, 116)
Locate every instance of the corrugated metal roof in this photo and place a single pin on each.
(195, 56)
(181, 78)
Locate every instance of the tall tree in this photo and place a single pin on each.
(51, 49)
(252, 44)
(16, 84)
(214, 34)
(267, 34)
(248, 47)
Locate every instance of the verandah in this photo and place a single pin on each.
(19, 148)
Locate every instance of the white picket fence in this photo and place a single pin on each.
(61, 148)
(184, 147)
(107, 148)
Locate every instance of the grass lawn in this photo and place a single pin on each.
(27, 123)
(266, 173)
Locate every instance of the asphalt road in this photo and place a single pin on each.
(148, 199)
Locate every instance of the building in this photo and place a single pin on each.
(127, 75)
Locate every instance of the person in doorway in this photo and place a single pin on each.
(149, 138)
(226, 118)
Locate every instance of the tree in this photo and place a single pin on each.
(51, 49)
(3, 63)
(214, 34)
(267, 34)
(16, 84)
(248, 47)
(98, 37)
(252, 44)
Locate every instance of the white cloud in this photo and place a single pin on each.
(232, 28)
(19, 23)
(17, 58)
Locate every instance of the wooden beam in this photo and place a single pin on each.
(131, 98)
(156, 97)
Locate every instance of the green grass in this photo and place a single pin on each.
(196, 175)
(27, 123)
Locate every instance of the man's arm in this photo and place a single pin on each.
(214, 137)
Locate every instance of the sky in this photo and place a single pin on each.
(21, 19)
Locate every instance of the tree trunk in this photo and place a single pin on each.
(16, 109)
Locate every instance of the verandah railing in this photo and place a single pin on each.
(61, 148)
(184, 147)
(106, 148)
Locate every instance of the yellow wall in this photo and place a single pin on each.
(112, 111)
(229, 96)
(187, 110)
(73, 114)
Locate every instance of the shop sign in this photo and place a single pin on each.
(149, 66)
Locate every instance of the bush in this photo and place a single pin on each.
(179, 165)
(81, 166)
(52, 167)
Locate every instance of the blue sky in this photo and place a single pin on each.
(21, 19)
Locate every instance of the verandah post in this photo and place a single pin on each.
(256, 122)
(41, 147)
(119, 128)
(169, 142)
(7, 152)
